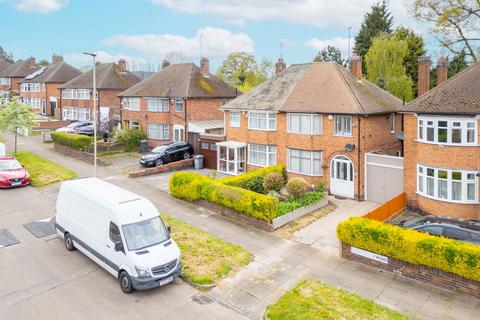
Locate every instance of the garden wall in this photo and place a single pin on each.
(428, 275)
(182, 164)
(77, 154)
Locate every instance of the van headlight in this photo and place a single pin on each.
(142, 272)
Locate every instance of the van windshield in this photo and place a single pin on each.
(144, 234)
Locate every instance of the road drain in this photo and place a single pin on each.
(202, 299)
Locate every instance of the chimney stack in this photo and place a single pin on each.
(56, 58)
(356, 65)
(31, 62)
(280, 66)
(442, 70)
(165, 64)
(423, 74)
(122, 66)
(205, 67)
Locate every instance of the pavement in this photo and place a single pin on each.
(41, 280)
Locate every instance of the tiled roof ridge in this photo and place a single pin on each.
(350, 89)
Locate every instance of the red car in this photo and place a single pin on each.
(12, 173)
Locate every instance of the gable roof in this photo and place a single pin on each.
(20, 69)
(107, 77)
(458, 95)
(4, 64)
(58, 72)
(323, 87)
(181, 80)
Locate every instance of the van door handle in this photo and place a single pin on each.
(108, 246)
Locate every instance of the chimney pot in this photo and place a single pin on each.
(56, 58)
(165, 64)
(356, 65)
(423, 74)
(442, 70)
(205, 67)
(280, 66)
(122, 66)
(31, 62)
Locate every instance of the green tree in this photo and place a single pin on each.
(415, 49)
(377, 21)
(330, 53)
(16, 115)
(384, 63)
(43, 63)
(454, 23)
(457, 64)
(242, 71)
(6, 56)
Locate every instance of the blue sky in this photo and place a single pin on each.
(146, 30)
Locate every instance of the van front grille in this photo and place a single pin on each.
(164, 268)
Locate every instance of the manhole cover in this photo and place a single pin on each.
(41, 228)
(7, 238)
(202, 299)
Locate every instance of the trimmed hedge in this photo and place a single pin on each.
(192, 186)
(412, 246)
(253, 180)
(72, 140)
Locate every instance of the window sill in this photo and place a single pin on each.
(304, 174)
(253, 129)
(231, 126)
(474, 202)
(448, 144)
(260, 165)
(158, 139)
(305, 134)
(342, 136)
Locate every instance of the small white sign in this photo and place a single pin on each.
(369, 255)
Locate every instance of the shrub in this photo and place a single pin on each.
(253, 180)
(130, 138)
(297, 187)
(273, 182)
(186, 185)
(320, 187)
(295, 203)
(412, 246)
(72, 140)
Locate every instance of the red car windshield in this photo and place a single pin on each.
(9, 165)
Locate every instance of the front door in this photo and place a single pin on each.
(341, 177)
(44, 106)
(178, 133)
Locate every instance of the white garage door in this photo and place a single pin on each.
(383, 176)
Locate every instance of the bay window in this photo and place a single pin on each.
(234, 119)
(158, 104)
(449, 131)
(73, 113)
(304, 123)
(343, 125)
(304, 162)
(262, 155)
(453, 185)
(262, 121)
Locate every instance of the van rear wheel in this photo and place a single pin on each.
(125, 282)
(69, 242)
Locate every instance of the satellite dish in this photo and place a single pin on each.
(349, 147)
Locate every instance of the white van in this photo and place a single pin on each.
(119, 230)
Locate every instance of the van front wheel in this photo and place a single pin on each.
(69, 242)
(125, 282)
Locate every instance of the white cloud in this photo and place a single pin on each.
(82, 60)
(340, 43)
(40, 6)
(213, 42)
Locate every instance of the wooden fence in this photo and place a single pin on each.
(389, 209)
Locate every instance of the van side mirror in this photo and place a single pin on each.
(119, 246)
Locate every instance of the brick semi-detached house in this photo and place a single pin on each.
(111, 79)
(41, 88)
(11, 76)
(318, 119)
(441, 144)
(181, 98)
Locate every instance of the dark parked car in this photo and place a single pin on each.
(167, 153)
(459, 229)
(80, 127)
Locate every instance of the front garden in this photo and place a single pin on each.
(264, 194)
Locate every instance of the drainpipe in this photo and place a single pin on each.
(359, 161)
(186, 121)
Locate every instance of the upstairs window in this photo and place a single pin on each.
(343, 126)
(83, 94)
(392, 122)
(178, 105)
(302, 123)
(158, 104)
(69, 94)
(131, 103)
(234, 118)
(262, 121)
(449, 131)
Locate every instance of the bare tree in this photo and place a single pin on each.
(176, 57)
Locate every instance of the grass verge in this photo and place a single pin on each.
(43, 171)
(314, 300)
(288, 230)
(206, 259)
(2, 139)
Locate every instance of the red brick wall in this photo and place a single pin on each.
(374, 133)
(107, 98)
(447, 157)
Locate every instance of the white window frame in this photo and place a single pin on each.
(74, 113)
(270, 117)
(270, 150)
(83, 94)
(181, 103)
(133, 104)
(343, 132)
(4, 81)
(164, 128)
(312, 117)
(236, 116)
(134, 124)
(466, 125)
(313, 159)
(156, 104)
(392, 122)
(465, 181)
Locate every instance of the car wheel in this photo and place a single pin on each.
(68, 242)
(159, 162)
(125, 282)
(186, 155)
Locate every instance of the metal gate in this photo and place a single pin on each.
(383, 177)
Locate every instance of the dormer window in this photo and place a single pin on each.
(447, 131)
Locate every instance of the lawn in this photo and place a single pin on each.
(2, 139)
(206, 259)
(43, 171)
(311, 300)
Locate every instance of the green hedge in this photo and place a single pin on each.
(253, 180)
(412, 246)
(192, 186)
(72, 140)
